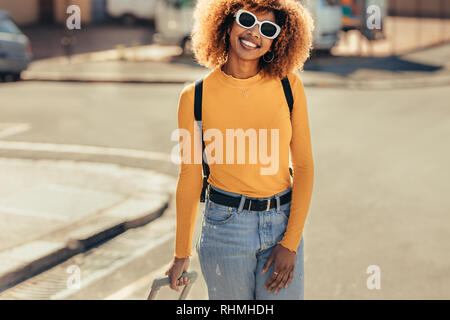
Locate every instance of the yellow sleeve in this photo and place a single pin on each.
(302, 165)
(190, 180)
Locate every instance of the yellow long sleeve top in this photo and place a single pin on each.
(254, 103)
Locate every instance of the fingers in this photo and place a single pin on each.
(277, 281)
(175, 273)
(182, 281)
(282, 282)
(268, 263)
(291, 276)
(272, 280)
(173, 281)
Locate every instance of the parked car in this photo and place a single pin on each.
(131, 10)
(15, 49)
(174, 21)
(327, 15)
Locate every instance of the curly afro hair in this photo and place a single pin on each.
(291, 48)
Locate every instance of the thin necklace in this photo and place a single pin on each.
(244, 91)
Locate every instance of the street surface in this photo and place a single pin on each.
(380, 193)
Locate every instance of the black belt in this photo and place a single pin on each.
(250, 204)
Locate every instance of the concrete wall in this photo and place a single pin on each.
(419, 8)
(22, 11)
(28, 11)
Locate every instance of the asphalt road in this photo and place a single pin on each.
(380, 195)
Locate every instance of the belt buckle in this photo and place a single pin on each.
(250, 205)
(268, 204)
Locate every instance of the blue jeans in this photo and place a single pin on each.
(234, 244)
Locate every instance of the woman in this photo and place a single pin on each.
(251, 243)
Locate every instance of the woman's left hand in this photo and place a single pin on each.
(284, 264)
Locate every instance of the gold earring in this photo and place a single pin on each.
(271, 59)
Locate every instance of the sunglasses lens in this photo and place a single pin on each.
(247, 20)
(268, 29)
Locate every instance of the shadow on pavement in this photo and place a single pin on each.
(346, 65)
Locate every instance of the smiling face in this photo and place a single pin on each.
(249, 44)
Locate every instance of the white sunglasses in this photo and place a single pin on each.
(267, 28)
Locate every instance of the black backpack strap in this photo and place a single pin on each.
(290, 101)
(198, 117)
(198, 100)
(288, 93)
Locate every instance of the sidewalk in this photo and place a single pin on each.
(159, 64)
(401, 35)
(52, 210)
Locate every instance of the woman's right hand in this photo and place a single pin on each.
(176, 269)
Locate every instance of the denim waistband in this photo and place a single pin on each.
(243, 198)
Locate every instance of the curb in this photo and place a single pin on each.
(154, 239)
(130, 81)
(382, 84)
(20, 270)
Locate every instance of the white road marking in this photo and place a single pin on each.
(145, 281)
(9, 129)
(31, 213)
(79, 149)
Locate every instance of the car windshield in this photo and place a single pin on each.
(330, 2)
(180, 4)
(8, 26)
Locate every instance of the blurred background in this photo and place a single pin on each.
(87, 183)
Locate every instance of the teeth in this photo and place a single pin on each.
(249, 43)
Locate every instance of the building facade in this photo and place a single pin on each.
(420, 8)
(25, 12)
